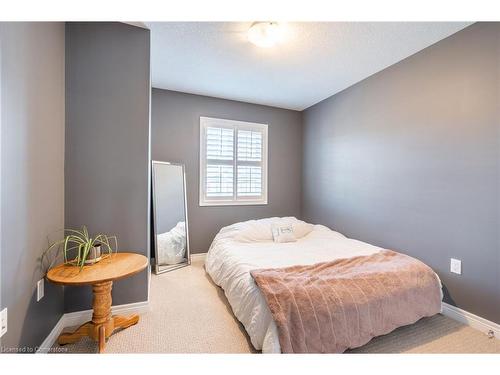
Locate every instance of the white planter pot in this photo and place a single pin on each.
(94, 255)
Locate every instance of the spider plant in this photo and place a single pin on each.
(77, 245)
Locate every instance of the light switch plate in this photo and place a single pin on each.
(40, 292)
(3, 322)
(456, 266)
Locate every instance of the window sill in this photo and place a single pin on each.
(233, 203)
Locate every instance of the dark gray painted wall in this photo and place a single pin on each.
(408, 159)
(175, 137)
(107, 143)
(32, 118)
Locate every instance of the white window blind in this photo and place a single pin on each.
(249, 145)
(220, 143)
(249, 181)
(233, 162)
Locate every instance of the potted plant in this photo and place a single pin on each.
(79, 248)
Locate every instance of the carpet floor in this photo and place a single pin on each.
(190, 314)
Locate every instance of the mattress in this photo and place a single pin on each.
(242, 247)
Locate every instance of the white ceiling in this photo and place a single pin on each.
(315, 61)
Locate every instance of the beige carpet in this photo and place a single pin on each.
(189, 314)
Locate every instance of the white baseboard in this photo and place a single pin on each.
(198, 255)
(471, 320)
(79, 317)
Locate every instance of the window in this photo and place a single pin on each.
(233, 162)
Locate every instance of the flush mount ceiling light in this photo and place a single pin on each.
(265, 34)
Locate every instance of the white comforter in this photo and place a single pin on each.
(241, 247)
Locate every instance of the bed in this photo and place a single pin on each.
(241, 248)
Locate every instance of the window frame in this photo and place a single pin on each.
(236, 125)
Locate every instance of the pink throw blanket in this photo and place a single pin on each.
(332, 306)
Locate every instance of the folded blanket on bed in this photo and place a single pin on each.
(332, 306)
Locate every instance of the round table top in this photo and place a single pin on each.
(114, 267)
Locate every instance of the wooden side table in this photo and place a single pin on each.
(101, 276)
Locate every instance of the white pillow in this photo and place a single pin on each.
(283, 233)
(300, 228)
(260, 230)
(253, 230)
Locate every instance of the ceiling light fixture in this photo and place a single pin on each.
(265, 34)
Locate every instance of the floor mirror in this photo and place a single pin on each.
(170, 222)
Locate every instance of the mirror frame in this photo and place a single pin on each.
(165, 268)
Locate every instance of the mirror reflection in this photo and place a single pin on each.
(170, 217)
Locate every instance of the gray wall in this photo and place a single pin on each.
(175, 137)
(408, 159)
(107, 143)
(32, 174)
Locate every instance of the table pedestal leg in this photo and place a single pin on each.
(70, 338)
(102, 324)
